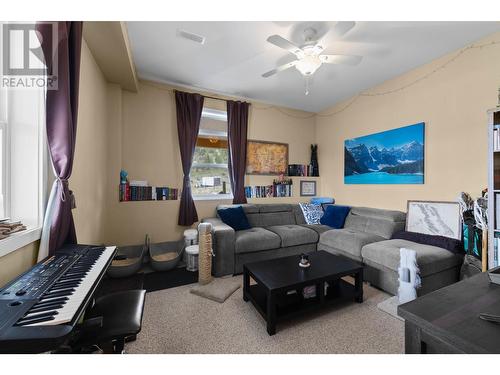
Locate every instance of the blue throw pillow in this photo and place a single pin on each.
(312, 212)
(335, 216)
(235, 217)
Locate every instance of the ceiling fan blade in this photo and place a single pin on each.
(280, 68)
(342, 27)
(340, 59)
(285, 44)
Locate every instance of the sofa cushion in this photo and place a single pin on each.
(299, 215)
(292, 235)
(347, 240)
(269, 219)
(375, 221)
(275, 207)
(335, 216)
(318, 228)
(430, 259)
(379, 213)
(234, 217)
(255, 239)
(255, 220)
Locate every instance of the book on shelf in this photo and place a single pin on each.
(496, 246)
(495, 253)
(496, 138)
(497, 210)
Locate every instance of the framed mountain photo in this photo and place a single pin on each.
(394, 156)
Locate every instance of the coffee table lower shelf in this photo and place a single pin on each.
(285, 306)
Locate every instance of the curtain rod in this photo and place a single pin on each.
(213, 97)
(223, 100)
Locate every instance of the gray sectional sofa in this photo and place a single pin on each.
(280, 230)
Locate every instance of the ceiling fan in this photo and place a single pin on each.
(309, 55)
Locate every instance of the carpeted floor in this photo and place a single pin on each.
(176, 321)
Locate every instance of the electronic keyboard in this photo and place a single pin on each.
(40, 308)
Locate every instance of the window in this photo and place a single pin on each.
(23, 161)
(209, 172)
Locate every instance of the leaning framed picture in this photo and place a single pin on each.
(435, 218)
(267, 158)
(307, 188)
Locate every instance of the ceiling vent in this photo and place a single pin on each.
(190, 36)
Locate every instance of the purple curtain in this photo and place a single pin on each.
(61, 118)
(237, 120)
(188, 108)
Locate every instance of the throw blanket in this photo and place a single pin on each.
(409, 279)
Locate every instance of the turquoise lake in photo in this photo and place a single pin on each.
(384, 178)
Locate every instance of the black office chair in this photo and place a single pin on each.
(113, 320)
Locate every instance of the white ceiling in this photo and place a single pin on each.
(236, 54)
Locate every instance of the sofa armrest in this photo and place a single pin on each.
(223, 238)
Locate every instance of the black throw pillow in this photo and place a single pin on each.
(450, 244)
(235, 217)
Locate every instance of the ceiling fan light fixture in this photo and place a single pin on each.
(308, 65)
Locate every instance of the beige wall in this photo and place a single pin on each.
(453, 104)
(90, 167)
(15, 263)
(149, 151)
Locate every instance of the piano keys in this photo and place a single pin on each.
(51, 297)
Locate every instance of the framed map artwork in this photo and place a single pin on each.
(267, 158)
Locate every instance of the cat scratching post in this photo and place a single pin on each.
(205, 257)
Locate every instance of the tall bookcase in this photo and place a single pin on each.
(493, 187)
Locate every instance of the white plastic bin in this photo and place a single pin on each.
(192, 252)
(190, 238)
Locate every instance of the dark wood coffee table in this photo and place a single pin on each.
(277, 292)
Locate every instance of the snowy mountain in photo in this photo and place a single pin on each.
(407, 158)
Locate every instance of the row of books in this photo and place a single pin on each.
(8, 227)
(129, 192)
(166, 194)
(301, 170)
(496, 138)
(269, 191)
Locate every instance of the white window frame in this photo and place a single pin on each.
(5, 167)
(220, 116)
(32, 233)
